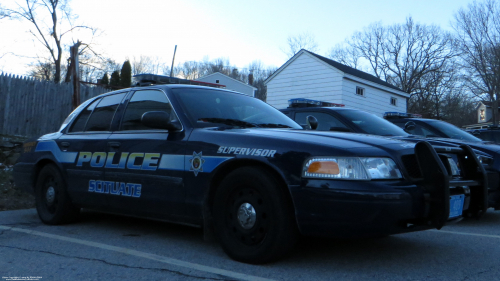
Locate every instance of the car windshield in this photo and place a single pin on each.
(452, 131)
(372, 124)
(206, 107)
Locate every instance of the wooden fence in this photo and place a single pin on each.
(30, 107)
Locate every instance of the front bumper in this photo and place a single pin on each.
(375, 208)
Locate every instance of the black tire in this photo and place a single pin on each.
(269, 232)
(52, 201)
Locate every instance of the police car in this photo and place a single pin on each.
(337, 118)
(236, 166)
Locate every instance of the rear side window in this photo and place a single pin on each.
(81, 120)
(142, 102)
(101, 117)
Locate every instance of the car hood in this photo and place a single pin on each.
(335, 139)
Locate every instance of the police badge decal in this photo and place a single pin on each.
(197, 163)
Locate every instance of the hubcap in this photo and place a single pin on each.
(247, 215)
(50, 195)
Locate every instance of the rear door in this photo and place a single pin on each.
(87, 136)
(147, 166)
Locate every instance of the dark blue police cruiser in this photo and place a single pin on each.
(234, 165)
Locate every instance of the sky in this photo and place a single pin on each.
(239, 31)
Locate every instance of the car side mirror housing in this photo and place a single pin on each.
(159, 120)
(410, 126)
(312, 122)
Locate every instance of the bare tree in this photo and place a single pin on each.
(42, 69)
(47, 17)
(346, 55)
(148, 64)
(298, 42)
(405, 55)
(478, 33)
(190, 70)
(433, 89)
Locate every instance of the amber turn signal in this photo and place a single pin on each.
(324, 167)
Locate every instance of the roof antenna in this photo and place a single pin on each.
(173, 59)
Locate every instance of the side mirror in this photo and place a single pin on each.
(410, 126)
(475, 133)
(159, 120)
(312, 122)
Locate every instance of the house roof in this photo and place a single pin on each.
(225, 76)
(354, 71)
(342, 67)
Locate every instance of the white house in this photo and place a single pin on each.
(311, 76)
(230, 83)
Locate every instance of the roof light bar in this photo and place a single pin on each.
(153, 79)
(394, 115)
(301, 102)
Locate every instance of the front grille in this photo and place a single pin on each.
(411, 165)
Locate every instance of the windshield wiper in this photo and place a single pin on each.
(244, 124)
(230, 122)
(272, 125)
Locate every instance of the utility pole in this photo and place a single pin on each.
(75, 74)
(173, 59)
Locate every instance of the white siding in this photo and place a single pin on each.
(374, 100)
(230, 84)
(305, 77)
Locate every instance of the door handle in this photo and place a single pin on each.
(114, 144)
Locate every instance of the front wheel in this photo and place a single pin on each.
(52, 201)
(253, 216)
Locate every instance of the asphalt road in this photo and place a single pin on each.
(108, 247)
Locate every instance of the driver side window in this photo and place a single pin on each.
(142, 102)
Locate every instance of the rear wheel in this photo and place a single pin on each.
(52, 201)
(253, 216)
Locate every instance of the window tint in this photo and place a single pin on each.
(451, 131)
(199, 103)
(101, 117)
(325, 121)
(142, 102)
(423, 131)
(81, 120)
(485, 135)
(370, 123)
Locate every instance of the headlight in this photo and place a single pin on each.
(485, 160)
(351, 168)
(454, 167)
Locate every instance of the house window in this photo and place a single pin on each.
(217, 81)
(394, 101)
(360, 91)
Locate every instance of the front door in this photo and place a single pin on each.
(147, 169)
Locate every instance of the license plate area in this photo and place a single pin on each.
(456, 205)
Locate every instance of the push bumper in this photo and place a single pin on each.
(374, 208)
